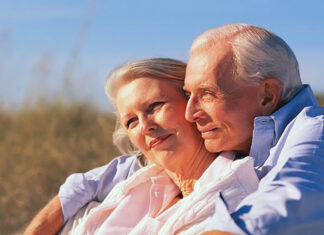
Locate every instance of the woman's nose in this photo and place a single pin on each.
(148, 125)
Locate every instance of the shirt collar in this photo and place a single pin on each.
(288, 112)
(268, 129)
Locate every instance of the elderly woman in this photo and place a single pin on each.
(175, 192)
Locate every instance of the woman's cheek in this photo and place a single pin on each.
(173, 112)
(136, 139)
(163, 116)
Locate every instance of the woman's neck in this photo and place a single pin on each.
(187, 177)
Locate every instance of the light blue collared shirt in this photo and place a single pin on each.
(288, 149)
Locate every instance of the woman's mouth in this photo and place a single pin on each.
(158, 140)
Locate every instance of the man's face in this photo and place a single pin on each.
(222, 108)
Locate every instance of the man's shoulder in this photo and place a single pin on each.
(312, 112)
(310, 116)
(124, 159)
(306, 131)
(123, 163)
(300, 143)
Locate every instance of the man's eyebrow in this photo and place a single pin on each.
(204, 87)
(208, 87)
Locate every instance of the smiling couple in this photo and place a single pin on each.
(232, 142)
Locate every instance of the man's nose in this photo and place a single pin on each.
(192, 110)
(147, 124)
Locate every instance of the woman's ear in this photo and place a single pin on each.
(269, 95)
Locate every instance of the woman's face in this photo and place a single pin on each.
(152, 111)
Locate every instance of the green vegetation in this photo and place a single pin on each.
(40, 147)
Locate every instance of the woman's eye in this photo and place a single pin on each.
(131, 122)
(154, 106)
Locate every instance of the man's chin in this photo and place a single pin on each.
(213, 146)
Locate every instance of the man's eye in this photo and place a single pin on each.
(209, 93)
(206, 95)
(187, 95)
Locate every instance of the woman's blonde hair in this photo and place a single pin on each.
(156, 68)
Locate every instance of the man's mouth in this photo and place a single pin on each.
(210, 133)
(158, 140)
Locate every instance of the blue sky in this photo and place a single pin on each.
(50, 48)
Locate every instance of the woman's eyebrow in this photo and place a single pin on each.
(124, 117)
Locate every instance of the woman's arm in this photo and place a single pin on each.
(78, 190)
(94, 185)
(49, 220)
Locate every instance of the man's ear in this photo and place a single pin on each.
(269, 95)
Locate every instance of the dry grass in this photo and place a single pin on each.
(320, 98)
(39, 148)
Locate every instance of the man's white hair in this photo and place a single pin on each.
(257, 53)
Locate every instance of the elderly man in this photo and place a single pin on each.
(245, 94)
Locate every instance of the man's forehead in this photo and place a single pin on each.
(199, 82)
(199, 59)
(199, 65)
(209, 67)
